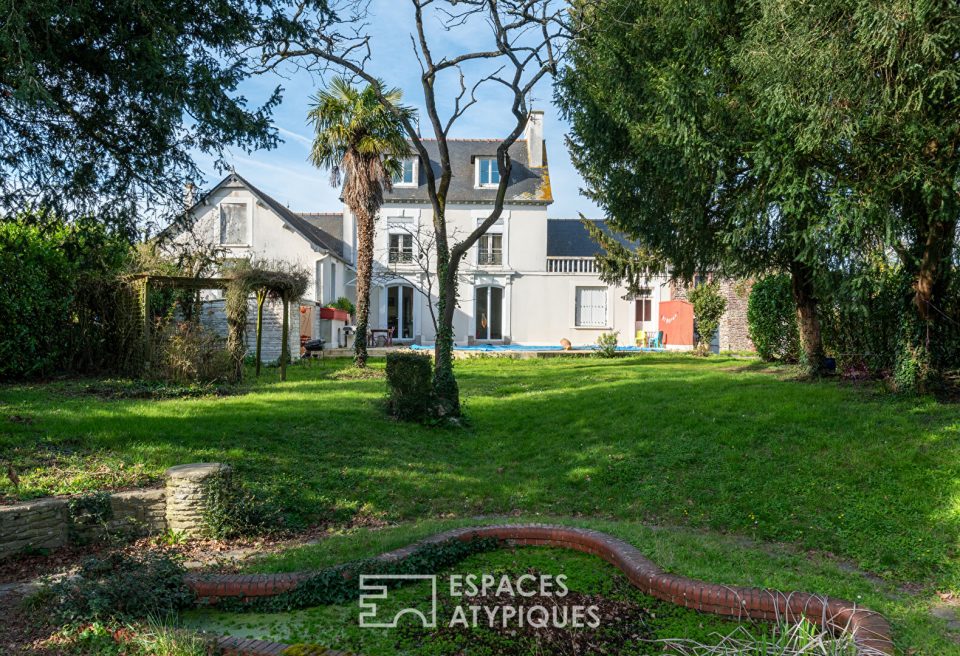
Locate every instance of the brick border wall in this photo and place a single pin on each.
(870, 630)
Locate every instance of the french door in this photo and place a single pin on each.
(400, 311)
(488, 311)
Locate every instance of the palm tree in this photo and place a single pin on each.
(362, 141)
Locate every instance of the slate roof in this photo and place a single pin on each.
(527, 185)
(569, 238)
(329, 227)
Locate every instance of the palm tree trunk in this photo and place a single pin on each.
(261, 297)
(365, 230)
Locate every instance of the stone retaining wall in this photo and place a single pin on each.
(50, 523)
(870, 631)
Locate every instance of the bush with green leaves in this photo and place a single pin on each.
(120, 586)
(34, 274)
(607, 344)
(866, 320)
(708, 307)
(772, 319)
(58, 295)
(409, 379)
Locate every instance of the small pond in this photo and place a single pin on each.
(599, 613)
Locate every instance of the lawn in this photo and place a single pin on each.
(723, 444)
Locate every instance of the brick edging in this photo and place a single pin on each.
(870, 630)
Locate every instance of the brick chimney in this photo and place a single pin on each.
(535, 139)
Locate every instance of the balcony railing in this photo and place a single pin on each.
(490, 258)
(571, 265)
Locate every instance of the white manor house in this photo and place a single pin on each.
(531, 280)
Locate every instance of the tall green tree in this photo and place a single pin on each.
(361, 140)
(104, 104)
(878, 85)
(665, 131)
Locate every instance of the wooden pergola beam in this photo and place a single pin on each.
(182, 282)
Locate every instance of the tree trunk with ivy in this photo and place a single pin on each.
(365, 228)
(285, 347)
(261, 298)
(920, 360)
(445, 389)
(808, 318)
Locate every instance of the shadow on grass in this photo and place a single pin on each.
(663, 438)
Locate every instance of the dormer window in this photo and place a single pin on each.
(488, 173)
(407, 176)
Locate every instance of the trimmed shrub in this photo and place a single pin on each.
(772, 319)
(36, 281)
(409, 378)
(120, 586)
(61, 302)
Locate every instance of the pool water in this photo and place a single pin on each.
(529, 347)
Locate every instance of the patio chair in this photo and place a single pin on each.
(656, 340)
(641, 338)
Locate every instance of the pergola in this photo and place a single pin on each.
(146, 281)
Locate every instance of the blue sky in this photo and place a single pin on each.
(286, 174)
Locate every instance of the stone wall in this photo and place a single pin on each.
(213, 316)
(734, 333)
(51, 523)
(734, 330)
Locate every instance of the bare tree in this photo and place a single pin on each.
(528, 39)
(421, 272)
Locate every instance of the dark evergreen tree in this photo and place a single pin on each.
(104, 104)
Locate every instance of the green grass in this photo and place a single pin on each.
(722, 444)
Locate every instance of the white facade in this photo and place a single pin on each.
(539, 299)
(244, 223)
(522, 283)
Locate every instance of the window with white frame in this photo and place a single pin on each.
(591, 309)
(490, 250)
(490, 244)
(234, 220)
(488, 173)
(401, 248)
(407, 176)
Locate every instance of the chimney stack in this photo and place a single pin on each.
(189, 191)
(535, 139)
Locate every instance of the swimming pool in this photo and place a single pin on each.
(530, 347)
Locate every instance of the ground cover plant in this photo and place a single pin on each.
(724, 444)
(630, 622)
